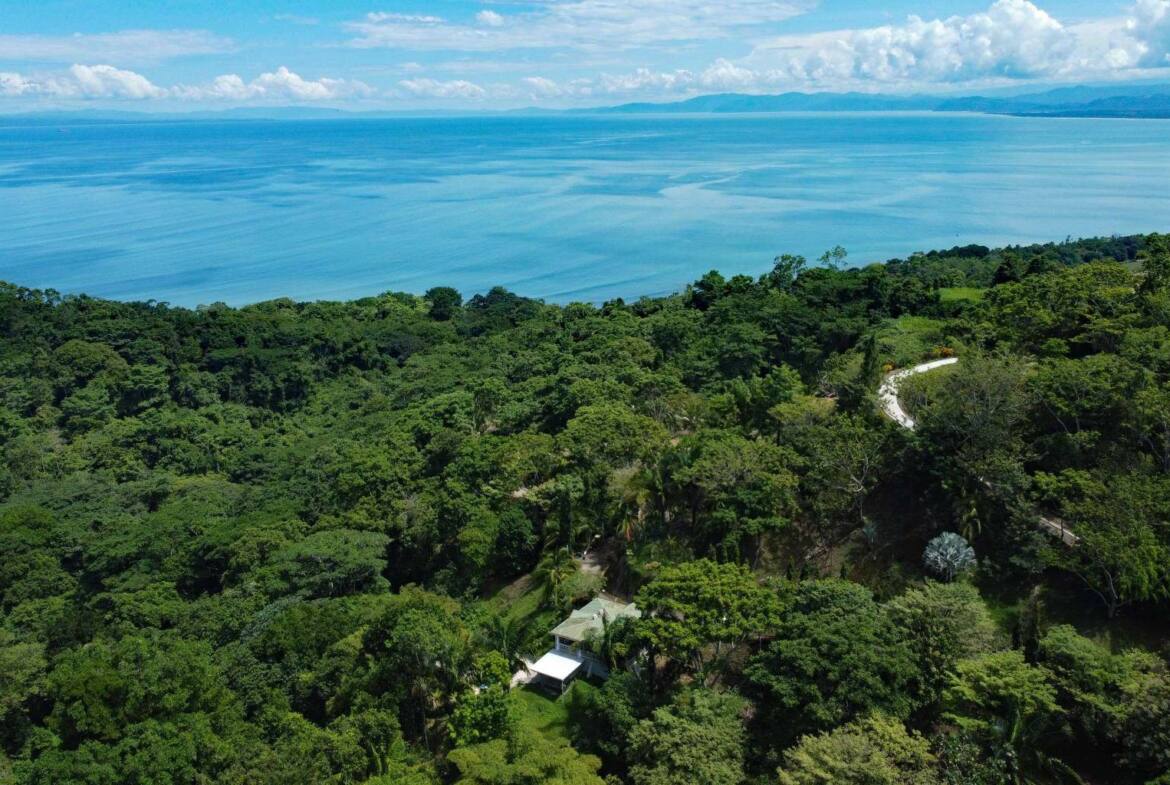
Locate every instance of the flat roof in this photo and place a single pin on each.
(556, 666)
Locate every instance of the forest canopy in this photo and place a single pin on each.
(312, 542)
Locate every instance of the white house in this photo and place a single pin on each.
(570, 657)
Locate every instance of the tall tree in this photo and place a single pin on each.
(698, 738)
(699, 612)
(874, 751)
(834, 657)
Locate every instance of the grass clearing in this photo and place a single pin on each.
(956, 294)
(909, 340)
(542, 713)
(519, 600)
(522, 603)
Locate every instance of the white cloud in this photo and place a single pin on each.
(280, 84)
(1011, 40)
(646, 80)
(725, 75)
(1149, 26)
(108, 82)
(82, 81)
(127, 46)
(12, 85)
(575, 24)
(105, 81)
(432, 88)
(489, 18)
(542, 86)
(592, 47)
(379, 17)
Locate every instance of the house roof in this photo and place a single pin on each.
(593, 617)
(556, 666)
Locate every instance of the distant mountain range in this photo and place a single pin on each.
(1137, 101)
(1151, 101)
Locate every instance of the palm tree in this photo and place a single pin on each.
(611, 644)
(635, 489)
(554, 572)
(505, 635)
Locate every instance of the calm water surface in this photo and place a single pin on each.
(563, 208)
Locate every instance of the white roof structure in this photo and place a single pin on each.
(556, 666)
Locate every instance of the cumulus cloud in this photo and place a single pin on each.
(1012, 39)
(82, 81)
(592, 47)
(127, 46)
(13, 85)
(646, 80)
(725, 75)
(543, 86)
(106, 81)
(433, 88)
(1149, 26)
(579, 24)
(279, 84)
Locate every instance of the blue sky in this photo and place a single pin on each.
(407, 54)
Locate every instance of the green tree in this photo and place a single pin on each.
(1145, 736)
(698, 738)
(698, 613)
(835, 656)
(88, 408)
(335, 563)
(948, 556)
(943, 623)
(785, 269)
(736, 491)
(22, 680)
(834, 258)
(420, 652)
(1119, 556)
(531, 759)
(602, 719)
(873, 751)
(1009, 704)
(1117, 703)
(487, 710)
(974, 431)
(445, 302)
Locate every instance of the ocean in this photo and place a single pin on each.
(563, 207)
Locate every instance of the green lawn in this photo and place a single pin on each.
(519, 600)
(522, 603)
(540, 712)
(961, 293)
